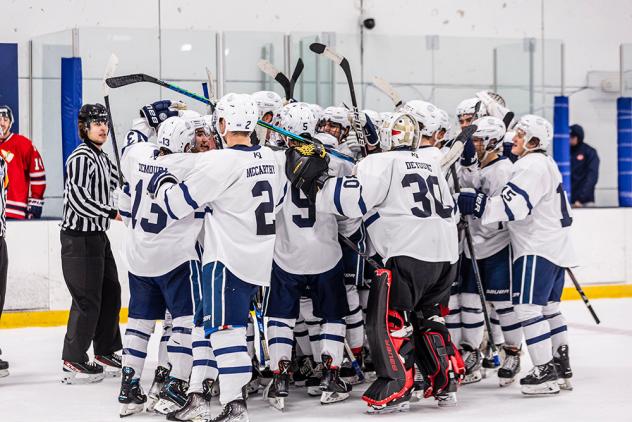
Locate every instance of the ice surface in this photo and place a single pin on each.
(600, 356)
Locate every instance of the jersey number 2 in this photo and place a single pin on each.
(266, 207)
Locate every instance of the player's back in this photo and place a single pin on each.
(416, 216)
(154, 247)
(243, 186)
(546, 229)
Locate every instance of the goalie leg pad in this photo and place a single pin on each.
(438, 359)
(390, 345)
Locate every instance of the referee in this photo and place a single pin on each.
(86, 258)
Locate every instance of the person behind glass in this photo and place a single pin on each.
(87, 262)
(584, 169)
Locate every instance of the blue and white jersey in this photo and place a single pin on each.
(244, 186)
(405, 203)
(491, 238)
(153, 247)
(537, 210)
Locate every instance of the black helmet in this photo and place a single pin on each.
(93, 112)
(5, 111)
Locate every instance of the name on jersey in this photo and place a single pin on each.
(261, 169)
(418, 165)
(151, 169)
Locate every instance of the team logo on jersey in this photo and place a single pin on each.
(7, 155)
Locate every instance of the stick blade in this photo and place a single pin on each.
(317, 47)
(110, 68)
(268, 68)
(388, 89)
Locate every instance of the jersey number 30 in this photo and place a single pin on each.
(426, 185)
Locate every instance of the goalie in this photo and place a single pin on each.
(411, 220)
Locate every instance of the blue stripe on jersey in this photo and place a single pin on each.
(510, 214)
(371, 219)
(171, 214)
(204, 343)
(182, 330)
(179, 349)
(230, 349)
(361, 203)
(332, 337)
(187, 196)
(337, 196)
(125, 214)
(558, 330)
(282, 196)
(137, 333)
(205, 362)
(522, 193)
(135, 353)
(511, 327)
(273, 323)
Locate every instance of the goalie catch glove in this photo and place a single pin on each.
(306, 168)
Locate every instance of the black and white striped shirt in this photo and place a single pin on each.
(90, 180)
(3, 196)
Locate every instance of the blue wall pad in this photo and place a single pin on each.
(9, 81)
(70, 105)
(561, 140)
(624, 150)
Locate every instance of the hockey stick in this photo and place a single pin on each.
(109, 71)
(121, 81)
(388, 89)
(295, 75)
(212, 94)
(268, 68)
(325, 51)
(354, 362)
(257, 316)
(583, 296)
(465, 133)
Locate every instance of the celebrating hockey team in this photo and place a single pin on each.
(292, 250)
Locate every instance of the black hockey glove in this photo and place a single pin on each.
(157, 112)
(306, 168)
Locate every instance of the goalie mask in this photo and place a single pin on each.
(532, 127)
(491, 131)
(400, 130)
(176, 135)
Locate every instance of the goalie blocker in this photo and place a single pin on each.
(396, 344)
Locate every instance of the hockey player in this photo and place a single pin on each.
(296, 271)
(410, 216)
(160, 275)
(489, 174)
(268, 102)
(535, 208)
(241, 183)
(25, 196)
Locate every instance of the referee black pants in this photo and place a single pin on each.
(4, 265)
(90, 274)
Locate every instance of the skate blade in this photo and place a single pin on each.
(277, 402)
(544, 389)
(448, 400)
(329, 397)
(113, 373)
(475, 376)
(165, 407)
(4, 373)
(565, 384)
(197, 415)
(398, 407)
(151, 403)
(354, 380)
(416, 395)
(128, 409)
(77, 379)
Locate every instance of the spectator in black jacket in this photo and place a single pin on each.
(584, 169)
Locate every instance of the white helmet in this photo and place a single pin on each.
(299, 118)
(239, 112)
(375, 117)
(472, 106)
(267, 101)
(337, 115)
(175, 133)
(444, 120)
(426, 114)
(491, 130)
(318, 110)
(535, 127)
(401, 129)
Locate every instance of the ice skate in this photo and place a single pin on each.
(563, 368)
(253, 385)
(4, 368)
(446, 399)
(276, 391)
(541, 380)
(334, 389)
(304, 369)
(511, 366)
(82, 373)
(172, 396)
(234, 411)
(111, 363)
(473, 360)
(131, 397)
(160, 378)
(197, 408)
(348, 373)
(313, 382)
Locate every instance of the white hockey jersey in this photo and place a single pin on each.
(491, 238)
(244, 186)
(406, 204)
(154, 248)
(537, 210)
